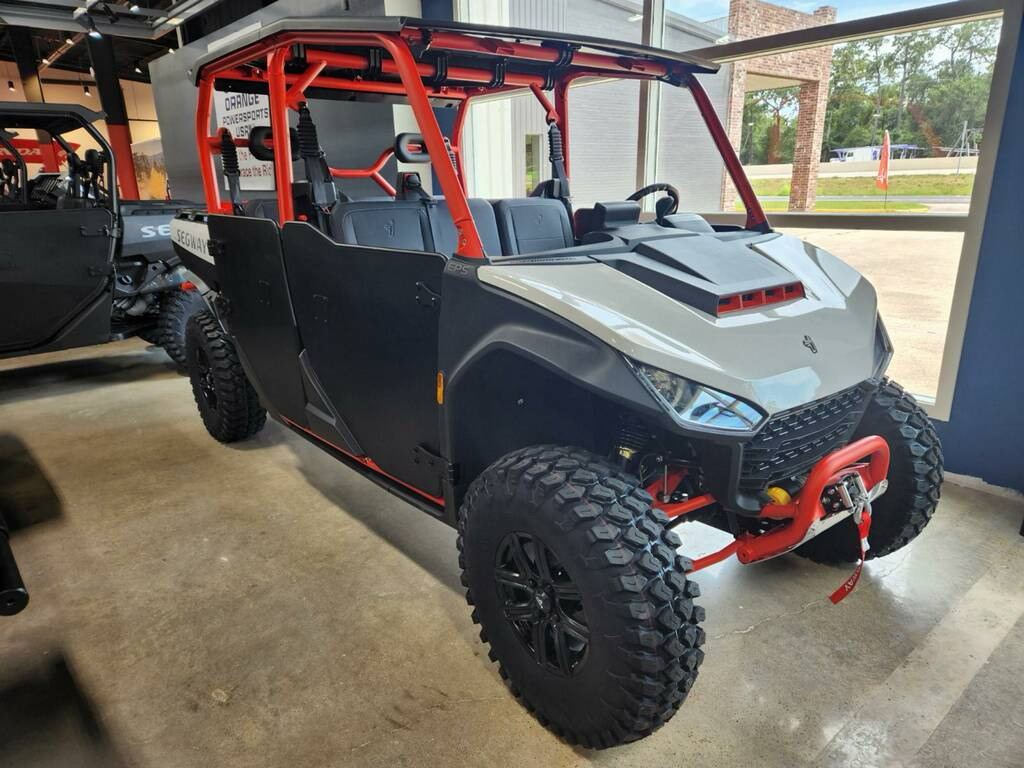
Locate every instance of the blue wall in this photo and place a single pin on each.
(985, 434)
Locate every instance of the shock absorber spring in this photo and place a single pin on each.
(632, 437)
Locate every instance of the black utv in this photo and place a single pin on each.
(78, 265)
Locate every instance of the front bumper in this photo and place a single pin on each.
(805, 516)
(855, 473)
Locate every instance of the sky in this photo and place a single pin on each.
(704, 10)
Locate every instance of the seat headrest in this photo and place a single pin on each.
(410, 148)
(410, 187)
(10, 168)
(260, 137)
(94, 160)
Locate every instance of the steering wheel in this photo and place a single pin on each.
(666, 205)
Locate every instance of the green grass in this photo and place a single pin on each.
(917, 184)
(847, 206)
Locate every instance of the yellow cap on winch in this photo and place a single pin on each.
(778, 495)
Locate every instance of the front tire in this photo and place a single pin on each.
(226, 399)
(915, 481)
(580, 593)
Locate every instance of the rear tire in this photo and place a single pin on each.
(915, 480)
(226, 399)
(594, 581)
(176, 308)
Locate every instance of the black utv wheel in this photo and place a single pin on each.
(915, 479)
(227, 402)
(175, 310)
(580, 593)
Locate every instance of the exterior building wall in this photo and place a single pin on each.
(604, 118)
(754, 18)
(687, 157)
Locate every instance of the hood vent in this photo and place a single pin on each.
(760, 298)
(713, 275)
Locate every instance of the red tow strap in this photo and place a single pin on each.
(863, 526)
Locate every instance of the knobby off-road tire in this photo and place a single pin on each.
(601, 541)
(176, 307)
(227, 402)
(915, 480)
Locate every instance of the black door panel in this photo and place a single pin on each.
(53, 264)
(259, 316)
(368, 318)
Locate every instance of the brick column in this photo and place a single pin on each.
(810, 125)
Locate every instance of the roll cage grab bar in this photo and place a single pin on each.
(421, 81)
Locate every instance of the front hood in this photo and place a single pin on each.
(778, 357)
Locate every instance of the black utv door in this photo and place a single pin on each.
(55, 276)
(368, 319)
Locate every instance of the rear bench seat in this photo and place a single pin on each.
(508, 227)
(418, 225)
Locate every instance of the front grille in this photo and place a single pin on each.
(792, 441)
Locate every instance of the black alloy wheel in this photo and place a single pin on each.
(542, 603)
(206, 382)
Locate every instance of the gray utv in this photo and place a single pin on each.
(563, 385)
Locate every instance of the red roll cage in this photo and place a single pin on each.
(439, 63)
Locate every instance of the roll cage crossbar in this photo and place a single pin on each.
(425, 66)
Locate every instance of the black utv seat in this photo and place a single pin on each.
(532, 224)
(416, 225)
(446, 236)
(261, 208)
(383, 224)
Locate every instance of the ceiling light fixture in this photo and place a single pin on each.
(85, 88)
(138, 69)
(69, 41)
(134, 8)
(46, 62)
(10, 86)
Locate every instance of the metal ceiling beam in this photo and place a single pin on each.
(147, 25)
(53, 58)
(74, 4)
(858, 29)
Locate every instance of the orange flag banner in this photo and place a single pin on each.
(882, 179)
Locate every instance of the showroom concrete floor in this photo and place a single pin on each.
(194, 604)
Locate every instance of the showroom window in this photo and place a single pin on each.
(815, 145)
(534, 158)
(808, 112)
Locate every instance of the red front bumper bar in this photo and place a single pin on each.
(868, 456)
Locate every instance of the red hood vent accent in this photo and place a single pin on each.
(760, 297)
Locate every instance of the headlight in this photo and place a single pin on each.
(693, 404)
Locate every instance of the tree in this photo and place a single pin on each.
(769, 124)
(921, 86)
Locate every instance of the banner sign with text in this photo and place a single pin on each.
(239, 113)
